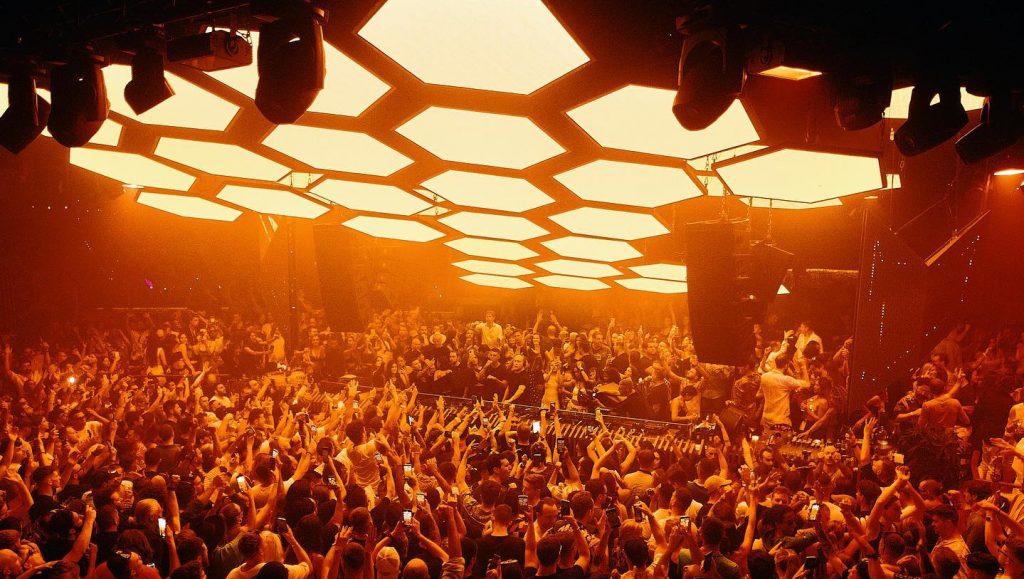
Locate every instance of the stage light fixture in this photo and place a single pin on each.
(1002, 124)
(149, 86)
(929, 124)
(710, 75)
(290, 61)
(26, 114)
(861, 100)
(80, 102)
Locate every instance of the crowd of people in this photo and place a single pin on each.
(187, 445)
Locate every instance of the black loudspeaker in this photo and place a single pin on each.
(336, 265)
(735, 422)
(717, 252)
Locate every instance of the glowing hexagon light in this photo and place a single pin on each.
(639, 118)
(591, 248)
(494, 226)
(610, 223)
(131, 168)
(776, 204)
(349, 89)
(660, 286)
(492, 267)
(899, 106)
(191, 107)
(629, 183)
(188, 206)
(514, 46)
(272, 201)
(570, 282)
(579, 268)
(510, 194)
(480, 138)
(496, 281)
(220, 159)
(666, 271)
(336, 150)
(403, 229)
(370, 197)
(802, 176)
(508, 250)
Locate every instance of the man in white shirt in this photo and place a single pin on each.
(775, 389)
(805, 335)
(491, 334)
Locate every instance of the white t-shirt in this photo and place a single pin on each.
(776, 387)
(491, 336)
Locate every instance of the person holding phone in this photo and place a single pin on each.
(712, 532)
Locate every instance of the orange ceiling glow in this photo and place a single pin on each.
(508, 250)
(188, 206)
(401, 229)
(494, 226)
(492, 267)
(802, 176)
(591, 248)
(579, 268)
(336, 150)
(480, 138)
(496, 281)
(639, 118)
(506, 46)
(220, 159)
(131, 168)
(660, 286)
(191, 107)
(510, 194)
(272, 201)
(666, 271)
(570, 282)
(629, 183)
(610, 223)
(790, 72)
(369, 197)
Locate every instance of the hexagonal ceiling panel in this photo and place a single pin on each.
(188, 206)
(591, 248)
(403, 229)
(569, 282)
(514, 47)
(639, 118)
(610, 223)
(509, 250)
(666, 271)
(798, 175)
(899, 106)
(579, 268)
(496, 281)
(629, 183)
(369, 197)
(131, 169)
(653, 285)
(349, 89)
(272, 201)
(488, 191)
(220, 159)
(493, 226)
(336, 150)
(480, 138)
(492, 267)
(191, 107)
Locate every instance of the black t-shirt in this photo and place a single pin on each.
(506, 547)
(574, 572)
(168, 454)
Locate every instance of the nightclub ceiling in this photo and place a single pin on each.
(486, 126)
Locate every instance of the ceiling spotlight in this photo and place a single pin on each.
(148, 86)
(1002, 124)
(862, 100)
(80, 104)
(26, 114)
(290, 61)
(929, 125)
(710, 70)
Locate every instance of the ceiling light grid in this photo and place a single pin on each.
(798, 175)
